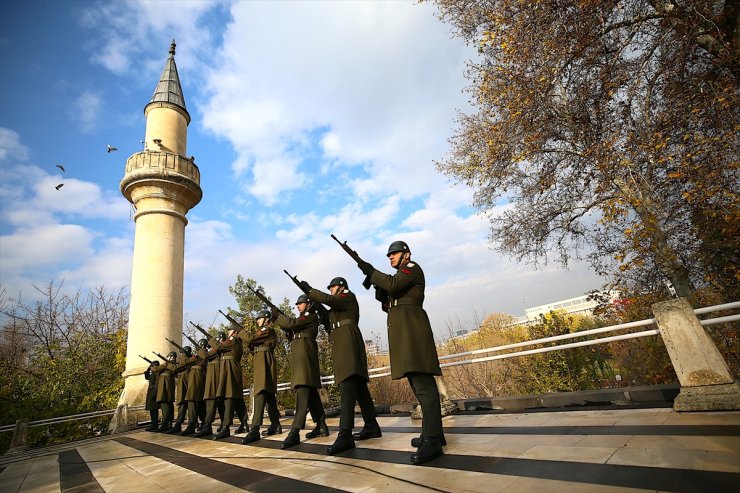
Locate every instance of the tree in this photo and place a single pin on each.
(63, 354)
(610, 126)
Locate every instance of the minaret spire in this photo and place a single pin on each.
(168, 89)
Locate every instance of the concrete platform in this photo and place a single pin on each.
(599, 450)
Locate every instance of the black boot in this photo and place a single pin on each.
(415, 442)
(252, 436)
(163, 428)
(321, 430)
(343, 442)
(176, 428)
(370, 430)
(242, 428)
(428, 450)
(223, 433)
(153, 426)
(206, 431)
(189, 430)
(293, 439)
(273, 429)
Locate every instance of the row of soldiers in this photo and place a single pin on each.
(212, 377)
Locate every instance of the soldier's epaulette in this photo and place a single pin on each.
(411, 264)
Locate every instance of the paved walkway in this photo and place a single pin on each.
(554, 451)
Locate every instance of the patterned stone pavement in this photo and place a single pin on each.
(602, 450)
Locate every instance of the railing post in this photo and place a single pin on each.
(19, 442)
(706, 381)
(119, 423)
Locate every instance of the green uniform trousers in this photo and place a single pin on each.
(260, 400)
(354, 389)
(425, 389)
(307, 399)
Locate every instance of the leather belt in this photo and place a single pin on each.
(301, 335)
(262, 348)
(342, 323)
(405, 301)
(227, 357)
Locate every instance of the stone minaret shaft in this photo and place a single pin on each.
(163, 185)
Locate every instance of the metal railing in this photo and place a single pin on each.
(383, 371)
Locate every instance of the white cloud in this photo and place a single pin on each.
(367, 80)
(86, 110)
(11, 147)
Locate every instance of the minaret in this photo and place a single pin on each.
(163, 185)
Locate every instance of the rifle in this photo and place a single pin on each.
(232, 319)
(366, 283)
(182, 349)
(146, 359)
(264, 299)
(192, 341)
(205, 334)
(161, 357)
(320, 309)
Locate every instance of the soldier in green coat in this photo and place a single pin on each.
(181, 386)
(262, 345)
(230, 384)
(210, 392)
(166, 390)
(411, 345)
(151, 395)
(195, 384)
(349, 359)
(305, 376)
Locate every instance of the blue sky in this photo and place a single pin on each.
(308, 118)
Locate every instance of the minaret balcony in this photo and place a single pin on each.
(152, 170)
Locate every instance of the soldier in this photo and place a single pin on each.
(230, 385)
(195, 385)
(181, 386)
(166, 390)
(411, 342)
(262, 345)
(305, 376)
(210, 393)
(350, 363)
(151, 396)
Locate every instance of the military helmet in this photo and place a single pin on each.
(188, 351)
(264, 314)
(203, 343)
(303, 299)
(337, 281)
(222, 336)
(398, 246)
(172, 355)
(155, 363)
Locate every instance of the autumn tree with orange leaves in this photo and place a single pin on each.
(609, 129)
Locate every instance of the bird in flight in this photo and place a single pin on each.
(59, 186)
(111, 148)
(60, 167)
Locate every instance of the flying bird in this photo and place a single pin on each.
(60, 167)
(111, 148)
(59, 186)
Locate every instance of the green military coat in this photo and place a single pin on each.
(210, 390)
(304, 352)
(347, 346)
(410, 339)
(262, 343)
(165, 382)
(151, 391)
(181, 379)
(230, 385)
(196, 376)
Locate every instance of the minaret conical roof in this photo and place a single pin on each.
(168, 89)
